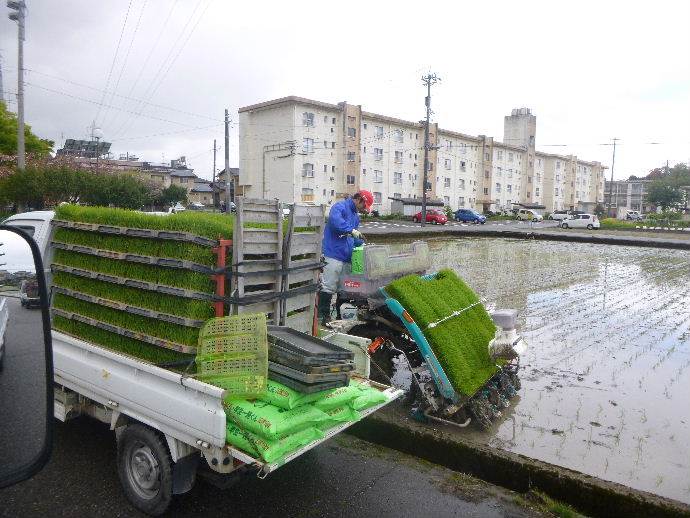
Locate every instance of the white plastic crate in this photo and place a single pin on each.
(357, 345)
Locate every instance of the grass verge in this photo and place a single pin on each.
(461, 342)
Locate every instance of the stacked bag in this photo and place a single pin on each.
(283, 420)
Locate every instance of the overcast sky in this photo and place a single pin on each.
(590, 71)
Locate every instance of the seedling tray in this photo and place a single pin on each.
(314, 350)
(279, 355)
(307, 388)
(305, 377)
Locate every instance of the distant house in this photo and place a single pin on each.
(235, 188)
(411, 206)
(201, 192)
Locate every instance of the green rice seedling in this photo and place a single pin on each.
(138, 245)
(461, 342)
(207, 225)
(121, 344)
(150, 326)
(178, 306)
(168, 276)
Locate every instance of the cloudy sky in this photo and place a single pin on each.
(156, 75)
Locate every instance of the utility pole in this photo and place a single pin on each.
(227, 162)
(428, 80)
(213, 176)
(18, 14)
(613, 163)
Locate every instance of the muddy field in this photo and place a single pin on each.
(606, 378)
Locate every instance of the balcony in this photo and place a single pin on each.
(308, 197)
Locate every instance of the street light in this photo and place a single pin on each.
(18, 14)
(98, 135)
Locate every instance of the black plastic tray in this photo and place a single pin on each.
(306, 388)
(294, 360)
(305, 377)
(307, 346)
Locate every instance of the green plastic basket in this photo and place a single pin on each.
(357, 260)
(238, 334)
(238, 387)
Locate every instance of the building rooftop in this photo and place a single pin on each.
(188, 173)
(202, 187)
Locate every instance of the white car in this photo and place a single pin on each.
(588, 221)
(559, 215)
(529, 215)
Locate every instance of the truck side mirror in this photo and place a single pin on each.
(26, 359)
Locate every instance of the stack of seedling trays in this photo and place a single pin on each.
(136, 283)
(305, 363)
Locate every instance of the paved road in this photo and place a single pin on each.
(343, 477)
(409, 226)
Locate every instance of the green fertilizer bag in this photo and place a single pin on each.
(338, 397)
(339, 415)
(270, 450)
(286, 398)
(271, 422)
(367, 398)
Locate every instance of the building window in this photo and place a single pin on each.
(308, 145)
(486, 174)
(184, 180)
(529, 179)
(461, 183)
(332, 145)
(398, 157)
(461, 201)
(486, 191)
(531, 141)
(463, 148)
(510, 173)
(325, 144)
(448, 163)
(536, 191)
(498, 187)
(446, 182)
(397, 195)
(307, 191)
(486, 156)
(449, 145)
(558, 178)
(351, 132)
(308, 170)
(398, 135)
(463, 166)
(509, 188)
(308, 119)
(350, 179)
(397, 178)
(332, 169)
(379, 131)
(325, 168)
(365, 125)
(378, 153)
(539, 162)
(499, 154)
(558, 164)
(364, 171)
(446, 200)
(556, 193)
(538, 178)
(431, 166)
(333, 120)
(510, 157)
(350, 156)
(378, 176)
(499, 171)
(325, 119)
(377, 198)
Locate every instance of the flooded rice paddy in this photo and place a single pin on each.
(606, 378)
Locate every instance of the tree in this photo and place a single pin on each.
(8, 136)
(172, 195)
(663, 194)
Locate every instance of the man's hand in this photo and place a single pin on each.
(357, 234)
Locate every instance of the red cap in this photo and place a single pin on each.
(367, 197)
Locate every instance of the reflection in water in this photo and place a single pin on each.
(606, 376)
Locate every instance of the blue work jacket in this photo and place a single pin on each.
(337, 241)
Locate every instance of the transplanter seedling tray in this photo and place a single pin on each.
(306, 349)
(311, 365)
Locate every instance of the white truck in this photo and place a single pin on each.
(164, 421)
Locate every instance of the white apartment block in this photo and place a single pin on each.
(300, 150)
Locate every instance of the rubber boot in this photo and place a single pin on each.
(324, 307)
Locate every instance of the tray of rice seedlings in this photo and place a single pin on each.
(460, 343)
(140, 283)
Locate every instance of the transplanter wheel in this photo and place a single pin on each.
(480, 414)
(506, 386)
(515, 380)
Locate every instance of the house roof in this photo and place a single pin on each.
(188, 173)
(202, 187)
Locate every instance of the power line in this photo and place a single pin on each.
(112, 65)
(142, 137)
(124, 63)
(156, 82)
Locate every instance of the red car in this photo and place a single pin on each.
(434, 216)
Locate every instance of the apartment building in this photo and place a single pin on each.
(300, 150)
(629, 194)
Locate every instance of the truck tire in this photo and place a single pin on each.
(144, 467)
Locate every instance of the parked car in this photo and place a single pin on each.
(28, 294)
(589, 221)
(559, 215)
(195, 205)
(434, 216)
(469, 216)
(529, 215)
(634, 215)
(177, 208)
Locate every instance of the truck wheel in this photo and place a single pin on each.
(590, 226)
(145, 469)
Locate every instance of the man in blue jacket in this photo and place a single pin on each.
(339, 238)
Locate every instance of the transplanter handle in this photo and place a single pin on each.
(440, 379)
